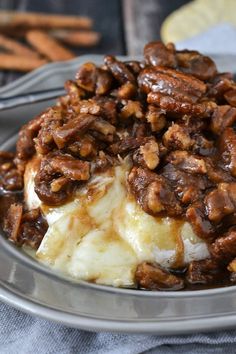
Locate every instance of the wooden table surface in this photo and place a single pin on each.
(125, 25)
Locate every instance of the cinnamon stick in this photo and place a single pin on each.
(12, 19)
(77, 38)
(20, 63)
(16, 47)
(48, 46)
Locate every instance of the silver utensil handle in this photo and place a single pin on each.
(38, 96)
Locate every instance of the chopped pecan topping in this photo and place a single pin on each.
(53, 167)
(156, 117)
(203, 272)
(86, 77)
(230, 97)
(103, 82)
(177, 137)
(69, 131)
(131, 109)
(156, 53)
(221, 201)
(13, 220)
(25, 228)
(219, 85)
(147, 155)
(119, 70)
(74, 92)
(227, 143)
(196, 64)
(127, 91)
(10, 176)
(152, 276)
(52, 119)
(222, 117)
(187, 162)
(153, 192)
(127, 144)
(25, 147)
(172, 115)
(224, 248)
(201, 225)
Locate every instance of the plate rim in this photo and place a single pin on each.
(92, 324)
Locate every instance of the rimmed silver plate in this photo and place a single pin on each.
(33, 288)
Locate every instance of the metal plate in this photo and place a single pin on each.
(33, 288)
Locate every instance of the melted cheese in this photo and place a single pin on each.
(103, 234)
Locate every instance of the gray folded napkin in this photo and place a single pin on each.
(219, 39)
(22, 333)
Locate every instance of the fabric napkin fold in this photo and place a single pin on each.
(24, 334)
(219, 39)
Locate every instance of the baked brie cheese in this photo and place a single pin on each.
(130, 179)
(102, 235)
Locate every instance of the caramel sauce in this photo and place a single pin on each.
(179, 248)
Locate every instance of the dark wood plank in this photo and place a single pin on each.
(143, 20)
(106, 15)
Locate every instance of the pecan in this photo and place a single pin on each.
(221, 201)
(175, 107)
(222, 117)
(168, 82)
(74, 92)
(203, 272)
(230, 97)
(224, 247)
(127, 91)
(102, 126)
(201, 225)
(52, 119)
(83, 146)
(134, 66)
(232, 266)
(153, 277)
(86, 77)
(196, 64)
(12, 221)
(69, 131)
(126, 145)
(187, 187)
(119, 70)
(28, 228)
(10, 175)
(156, 53)
(104, 82)
(220, 84)
(69, 167)
(54, 166)
(131, 109)
(25, 148)
(152, 192)
(227, 148)
(177, 137)
(147, 155)
(187, 162)
(156, 117)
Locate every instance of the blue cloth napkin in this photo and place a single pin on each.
(23, 334)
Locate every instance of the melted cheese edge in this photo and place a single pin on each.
(103, 234)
